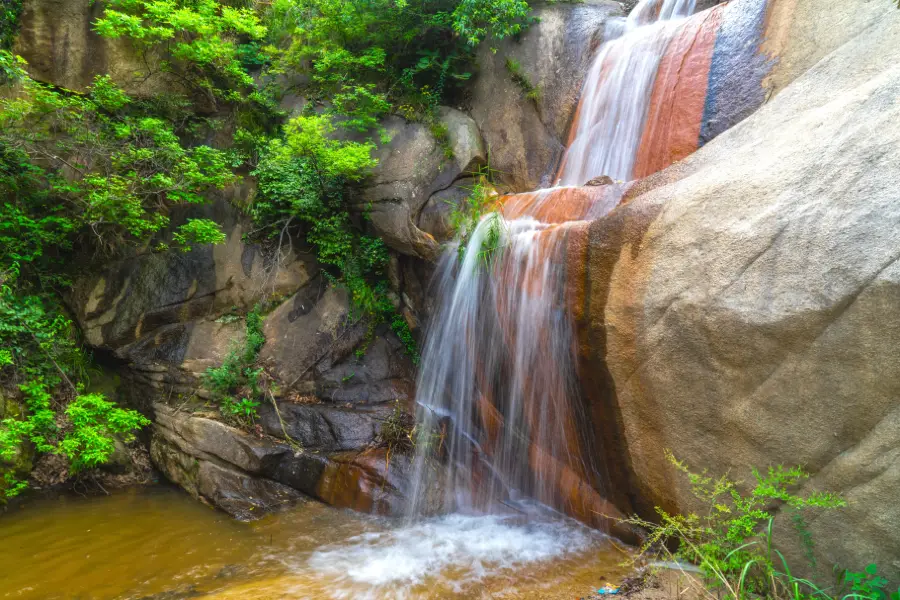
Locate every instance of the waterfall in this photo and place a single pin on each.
(498, 391)
(616, 94)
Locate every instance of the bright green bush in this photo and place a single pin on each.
(203, 42)
(364, 57)
(95, 169)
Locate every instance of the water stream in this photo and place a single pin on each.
(159, 543)
(498, 381)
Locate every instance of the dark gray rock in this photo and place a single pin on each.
(324, 428)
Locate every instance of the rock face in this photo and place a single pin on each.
(58, 41)
(169, 316)
(742, 308)
(412, 168)
(320, 452)
(525, 137)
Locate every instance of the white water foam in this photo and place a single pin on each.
(458, 550)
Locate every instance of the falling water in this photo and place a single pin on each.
(616, 93)
(498, 389)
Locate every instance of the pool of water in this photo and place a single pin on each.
(159, 543)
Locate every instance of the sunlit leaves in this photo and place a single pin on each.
(202, 37)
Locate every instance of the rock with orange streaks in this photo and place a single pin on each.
(741, 309)
(672, 130)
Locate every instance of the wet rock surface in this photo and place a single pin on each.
(322, 452)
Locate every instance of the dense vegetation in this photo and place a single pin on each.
(94, 174)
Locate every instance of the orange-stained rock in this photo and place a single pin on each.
(741, 307)
(672, 129)
(360, 481)
(562, 204)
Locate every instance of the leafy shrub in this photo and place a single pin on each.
(85, 433)
(238, 377)
(95, 424)
(95, 169)
(366, 56)
(203, 42)
(732, 541)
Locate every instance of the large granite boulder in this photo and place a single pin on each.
(743, 307)
(525, 137)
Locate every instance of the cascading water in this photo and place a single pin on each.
(498, 384)
(501, 419)
(616, 93)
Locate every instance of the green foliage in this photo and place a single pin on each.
(94, 168)
(365, 56)
(868, 584)
(95, 171)
(401, 329)
(10, 11)
(37, 338)
(203, 42)
(198, 231)
(477, 211)
(531, 91)
(239, 376)
(493, 240)
(41, 358)
(305, 179)
(95, 425)
(85, 432)
(732, 541)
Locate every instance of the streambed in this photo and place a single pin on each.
(159, 543)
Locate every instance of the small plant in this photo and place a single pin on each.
(402, 331)
(238, 375)
(243, 410)
(467, 216)
(493, 241)
(397, 431)
(732, 542)
(529, 90)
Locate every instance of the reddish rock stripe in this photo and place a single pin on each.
(674, 120)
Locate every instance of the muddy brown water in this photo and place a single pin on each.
(159, 543)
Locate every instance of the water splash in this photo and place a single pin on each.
(456, 552)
